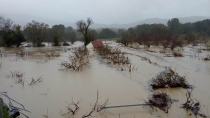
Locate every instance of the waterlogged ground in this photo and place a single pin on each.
(50, 97)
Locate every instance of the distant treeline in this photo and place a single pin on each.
(171, 35)
(36, 32)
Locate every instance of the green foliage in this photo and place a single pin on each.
(10, 35)
(57, 34)
(56, 41)
(4, 111)
(11, 38)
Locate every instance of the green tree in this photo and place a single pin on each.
(19, 37)
(57, 34)
(11, 35)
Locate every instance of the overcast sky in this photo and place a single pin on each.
(101, 11)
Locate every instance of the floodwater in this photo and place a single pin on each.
(59, 86)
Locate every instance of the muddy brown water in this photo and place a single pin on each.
(59, 87)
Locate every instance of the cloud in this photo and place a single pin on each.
(102, 11)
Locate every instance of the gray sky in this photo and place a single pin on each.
(101, 11)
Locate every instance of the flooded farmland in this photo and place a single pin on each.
(47, 89)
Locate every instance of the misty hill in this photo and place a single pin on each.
(190, 19)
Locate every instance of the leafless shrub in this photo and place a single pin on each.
(177, 54)
(16, 74)
(161, 101)
(192, 105)
(72, 109)
(51, 54)
(77, 60)
(89, 114)
(35, 81)
(75, 108)
(115, 57)
(96, 107)
(169, 79)
(101, 107)
(18, 77)
(207, 58)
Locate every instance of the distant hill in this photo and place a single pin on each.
(190, 19)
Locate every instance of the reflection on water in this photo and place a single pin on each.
(59, 87)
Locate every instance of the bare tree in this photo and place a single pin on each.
(84, 28)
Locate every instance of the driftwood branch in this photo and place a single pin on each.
(74, 108)
(131, 105)
(96, 107)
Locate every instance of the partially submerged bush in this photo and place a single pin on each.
(192, 106)
(169, 79)
(74, 108)
(66, 44)
(38, 54)
(177, 54)
(161, 101)
(77, 60)
(18, 77)
(114, 56)
(35, 81)
(207, 58)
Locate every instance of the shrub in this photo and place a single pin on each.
(169, 79)
(161, 101)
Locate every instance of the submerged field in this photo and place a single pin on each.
(56, 87)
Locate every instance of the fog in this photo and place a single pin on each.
(101, 11)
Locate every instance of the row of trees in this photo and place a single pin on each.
(10, 34)
(171, 35)
(37, 32)
(40, 32)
